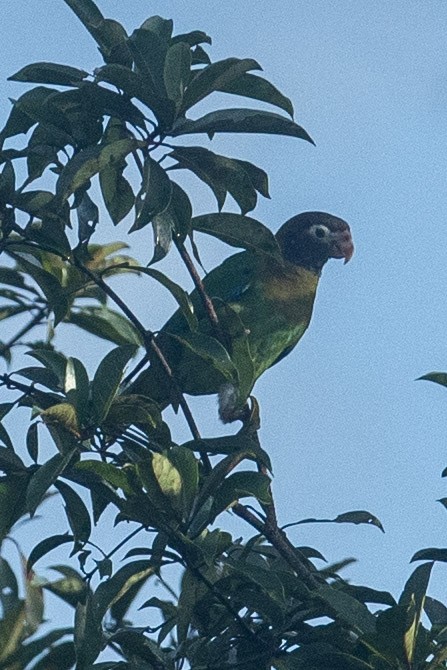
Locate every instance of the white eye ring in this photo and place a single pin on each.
(319, 231)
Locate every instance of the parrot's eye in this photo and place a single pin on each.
(319, 231)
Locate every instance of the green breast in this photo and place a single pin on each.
(276, 311)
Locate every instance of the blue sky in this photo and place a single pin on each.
(345, 423)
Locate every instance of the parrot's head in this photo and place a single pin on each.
(310, 239)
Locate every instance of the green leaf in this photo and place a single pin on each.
(45, 477)
(77, 514)
(106, 323)
(77, 387)
(200, 57)
(61, 656)
(177, 292)
(124, 579)
(367, 595)
(155, 194)
(109, 34)
(9, 588)
(100, 101)
(7, 184)
(131, 83)
(242, 485)
(231, 444)
(359, 517)
(180, 211)
(4, 437)
(436, 611)
(90, 161)
(413, 596)
(210, 350)
(53, 361)
(430, 554)
(50, 73)
(12, 630)
(50, 287)
(12, 501)
(168, 478)
(9, 461)
(88, 634)
(117, 193)
(177, 71)
(240, 120)
(162, 225)
(223, 175)
(213, 77)
(24, 114)
(238, 231)
(347, 609)
(46, 545)
(149, 53)
(32, 441)
(436, 377)
(187, 466)
(62, 415)
(193, 38)
(132, 409)
(107, 472)
(34, 202)
(253, 86)
(26, 654)
(107, 380)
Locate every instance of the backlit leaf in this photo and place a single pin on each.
(50, 73)
(107, 380)
(240, 120)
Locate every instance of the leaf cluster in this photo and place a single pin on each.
(119, 134)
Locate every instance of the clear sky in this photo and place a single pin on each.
(345, 423)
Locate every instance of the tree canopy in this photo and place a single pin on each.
(77, 147)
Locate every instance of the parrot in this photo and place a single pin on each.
(264, 305)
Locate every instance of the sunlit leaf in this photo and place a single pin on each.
(76, 387)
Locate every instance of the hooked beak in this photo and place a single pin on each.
(342, 245)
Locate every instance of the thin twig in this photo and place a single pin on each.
(113, 551)
(280, 541)
(149, 343)
(206, 300)
(23, 331)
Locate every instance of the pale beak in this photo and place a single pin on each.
(342, 245)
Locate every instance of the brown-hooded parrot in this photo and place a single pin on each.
(264, 305)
